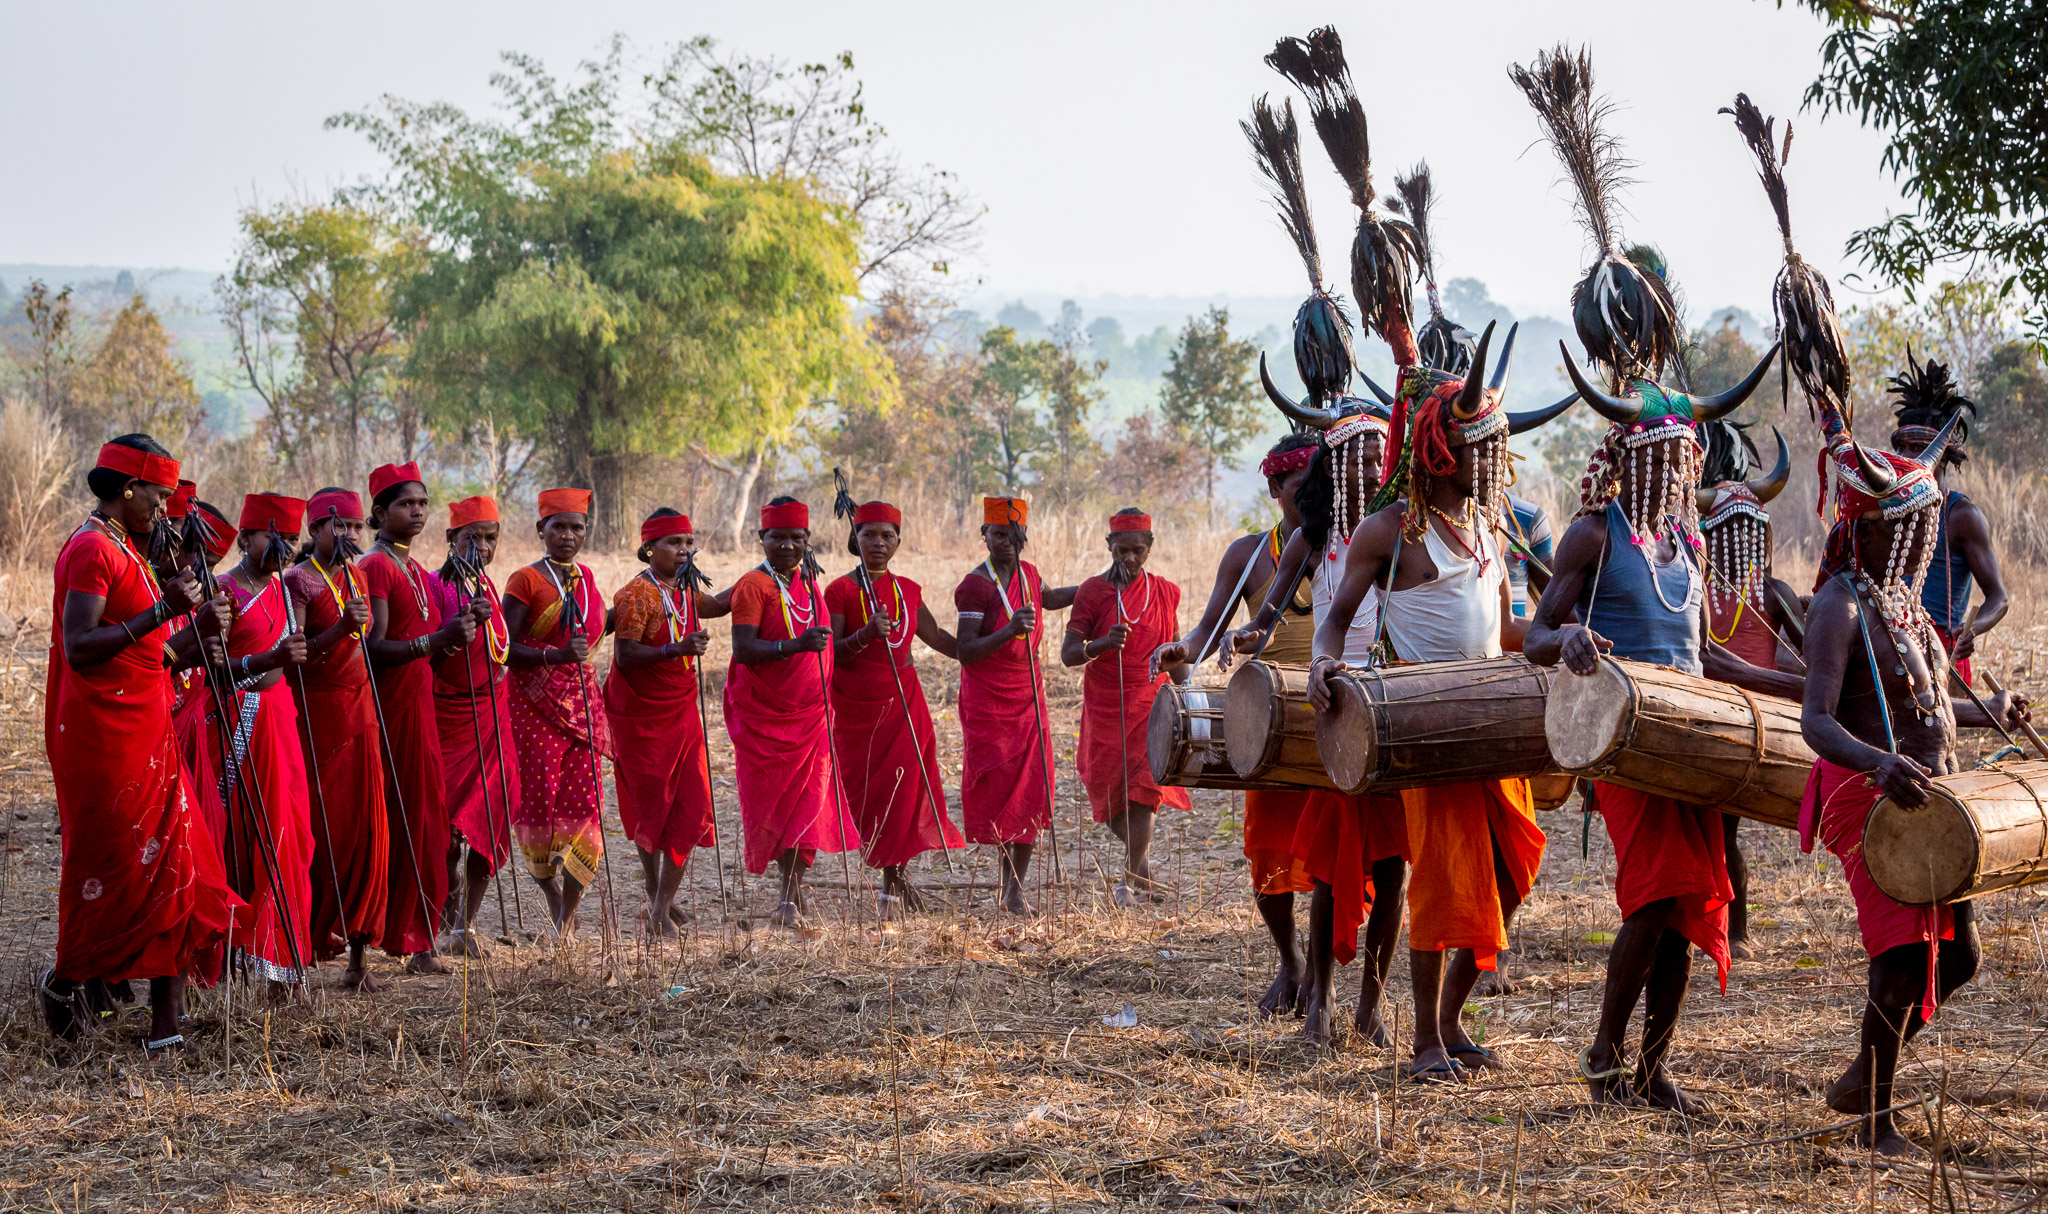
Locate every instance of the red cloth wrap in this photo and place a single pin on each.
(1837, 804)
(659, 768)
(267, 511)
(792, 515)
(1340, 838)
(179, 503)
(559, 728)
(1454, 830)
(478, 509)
(876, 512)
(899, 806)
(385, 476)
(563, 501)
(1280, 463)
(1005, 755)
(1004, 511)
(141, 890)
(1270, 819)
(1111, 754)
(667, 525)
(782, 750)
(335, 503)
(1752, 639)
(419, 864)
(473, 714)
(351, 834)
(156, 469)
(1668, 849)
(1132, 521)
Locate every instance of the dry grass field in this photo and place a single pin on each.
(961, 1061)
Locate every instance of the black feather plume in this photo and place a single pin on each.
(1623, 314)
(690, 575)
(1443, 343)
(1927, 396)
(1731, 453)
(1323, 354)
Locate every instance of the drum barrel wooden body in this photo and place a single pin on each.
(1184, 739)
(1552, 789)
(1435, 723)
(1979, 832)
(1269, 727)
(1678, 735)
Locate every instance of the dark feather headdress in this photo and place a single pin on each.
(1624, 315)
(1322, 332)
(1731, 453)
(1384, 253)
(1443, 344)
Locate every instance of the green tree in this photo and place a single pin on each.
(1210, 398)
(1072, 387)
(1012, 385)
(2012, 392)
(135, 382)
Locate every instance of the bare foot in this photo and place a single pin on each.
(1121, 896)
(1368, 1024)
(60, 1005)
(1495, 982)
(1434, 1065)
(913, 901)
(1284, 995)
(786, 915)
(1659, 1092)
(1846, 1095)
(1315, 1016)
(426, 963)
(357, 978)
(1893, 1145)
(1015, 903)
(1606, 1079)
(1740, 950)
(677, 917)
(468, 945)
(889, 907)
(165, 1048)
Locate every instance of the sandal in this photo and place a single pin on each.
(1487, 1058)
(158, 1048)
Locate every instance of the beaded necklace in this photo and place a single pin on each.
(119, 535)
(400, 555)
(1142, 607)
(899, 619)
(572, 586)
(1451, 527)
(792, 615)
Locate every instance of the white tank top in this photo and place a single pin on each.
(1456, 615)
(1365, 625)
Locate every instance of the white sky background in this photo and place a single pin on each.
(1102, 137)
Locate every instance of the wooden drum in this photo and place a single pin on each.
(1981, 831)
(1407, 726)
(1678, 735)
(1184, 739)
(1269, 727)
(1552, 789)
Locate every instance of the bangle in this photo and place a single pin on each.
(778, 649)
(127, 631)
(245, 666)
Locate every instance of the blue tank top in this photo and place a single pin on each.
(1946, 593)
(1622, 604)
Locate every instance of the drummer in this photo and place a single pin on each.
(1249, 570)
(1476, 845)
(1629, 580)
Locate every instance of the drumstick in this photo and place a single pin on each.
(2026, 726)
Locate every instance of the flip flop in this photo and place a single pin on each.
(1487, 1057)
(1436, 1072)
(156, 1049)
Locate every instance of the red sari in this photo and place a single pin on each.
(782, 751)
(558, 723)
(141, 891)
(473, 715)
(344, 769)
(1112, 755)
(418, 868)
(660, 769)
(1005, 755)
(898, 803)
(266, 799)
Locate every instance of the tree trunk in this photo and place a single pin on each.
(745, 477)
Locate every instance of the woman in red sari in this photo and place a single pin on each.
(472, 709)
(344, 757)
(406, 627)
(881, 727)
(791, 805)
(264, 787)
(1006, 766)
(556, 618)
(141, 892)
(1126, 612)
(651, 704)
(192, 707)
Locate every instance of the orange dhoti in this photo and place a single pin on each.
(1270, 817)
(1455, 831)
(1338, 840)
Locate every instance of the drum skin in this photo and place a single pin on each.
(1269, 727)
(1184, 739)
(1409, 726)
(1980, 831)
(1677, 735)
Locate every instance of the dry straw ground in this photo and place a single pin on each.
(961, 1061)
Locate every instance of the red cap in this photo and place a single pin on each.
(156, 469)
(564, 501)
(793, 514)
(668, 524)
(220, 538)
(393, 474)
(1130, 520)
(1004, 511)
(1280, 463)
(877, 512)
(262, 511)
(335, 503)
(478, 509)
(179, 504)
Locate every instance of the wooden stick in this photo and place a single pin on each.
(2026, 727)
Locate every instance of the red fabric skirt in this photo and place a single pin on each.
(351, 829)
(1005, 759)
(482, 784)
(782, 760)
(898, 803)
(556, 816)
(419, 842)
(1270, 820)
(1668, 849)
(270, 820)
(1112, 755)
(660, 769)
(1340, 838)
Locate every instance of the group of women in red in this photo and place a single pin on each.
(327, 748)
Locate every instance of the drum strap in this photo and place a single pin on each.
(1756, 752)
(1215, 636)
(1300, 572)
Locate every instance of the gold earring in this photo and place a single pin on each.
(127, 493)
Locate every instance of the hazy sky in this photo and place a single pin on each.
(1102, 137)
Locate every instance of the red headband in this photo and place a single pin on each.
(1004, 511)
(1130, 521)
(1280, 463)
(792, 515)
(564, 501)
(668, 524)
(179, 504)
(156, 469)
(335, 503)
(478, 509)
(877, 512)
(393, 474)
(263, 511)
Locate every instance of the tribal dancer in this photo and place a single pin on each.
(555, 617)
(351, 834)
(1006, 780)
(1629, 578)
(473, 715)
(1877, 712)
(1963, 553)
(1249, 572)
(791, 803)
(882, 729)
(1125, 611)
(140, 892)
